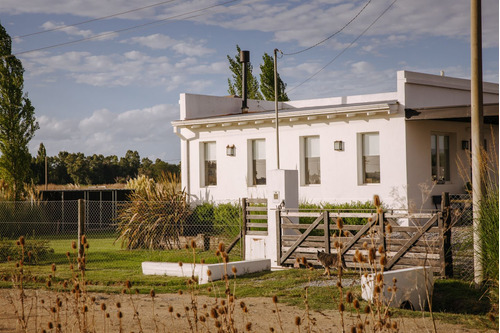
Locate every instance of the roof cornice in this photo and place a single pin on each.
(302, 115)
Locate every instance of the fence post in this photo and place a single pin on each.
(326, 225)
(382, 240)
(243, 227)
(81, 226)
(446, 254)
(278, 236)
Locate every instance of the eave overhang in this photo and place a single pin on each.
(292, 116)
(449, 112)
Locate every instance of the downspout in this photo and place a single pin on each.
(188, 161)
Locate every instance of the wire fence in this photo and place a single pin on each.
(114, 227)
(50, 226)
(461, 236)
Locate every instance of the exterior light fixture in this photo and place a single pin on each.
(230, 150)
(338, 145)
(465, 145)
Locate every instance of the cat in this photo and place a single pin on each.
(330, 260)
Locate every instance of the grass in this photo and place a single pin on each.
(109, 265)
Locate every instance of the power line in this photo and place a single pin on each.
(345, 49)
(332, 35)
(93, 20)
(125, 29)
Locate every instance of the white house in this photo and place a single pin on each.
(402, 145)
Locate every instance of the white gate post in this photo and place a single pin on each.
(282, 187)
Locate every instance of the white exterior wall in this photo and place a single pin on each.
(339, 169)
(418, 138)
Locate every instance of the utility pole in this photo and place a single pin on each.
(276, 121)
(476, 133)
(46, 178)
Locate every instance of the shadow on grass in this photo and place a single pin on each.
(460, 297)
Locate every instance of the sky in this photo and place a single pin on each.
(105, 76)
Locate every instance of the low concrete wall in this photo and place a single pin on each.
(200, 270)
(413, 286)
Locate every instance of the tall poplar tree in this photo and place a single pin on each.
(17, 120)
(235, 84)
(267, 80)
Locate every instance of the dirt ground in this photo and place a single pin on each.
(156, 317)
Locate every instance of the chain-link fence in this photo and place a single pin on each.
(113, 226)
(461, 236)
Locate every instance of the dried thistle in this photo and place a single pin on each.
(376, 200)
(349, 297)
(371, 255)
(297, 321)
(340, 223)
(221, 247)
(193, 244)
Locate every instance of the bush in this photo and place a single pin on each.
(489, 233)
(201, 221)
(227, 219)
(38, 248)
(156, 216)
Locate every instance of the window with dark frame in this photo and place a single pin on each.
(312, 170)
(370, 158)
(440, 158)
(210, 164)
(259, 162)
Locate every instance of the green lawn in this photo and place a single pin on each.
(108, 264)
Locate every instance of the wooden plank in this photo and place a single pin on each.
(414, 229)
(318, 245)
(256, 217)
(326, 225)
(256, 233)
(257, 225)
(409, 215)
(256, 209)
(416, 249)
(302, 238)
(345, 214)
(297, 226)
(411, 242)
(256, 201)
(436, 242)
(354, 239)
(299, 214)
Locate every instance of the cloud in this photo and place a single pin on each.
(190, 47)
(106, 132)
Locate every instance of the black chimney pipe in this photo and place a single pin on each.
(244, 60)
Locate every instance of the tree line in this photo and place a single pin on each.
(76, 168)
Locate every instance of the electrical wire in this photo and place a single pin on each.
(125, 29)
(93, 20)
(332, 35)
(345, 49)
